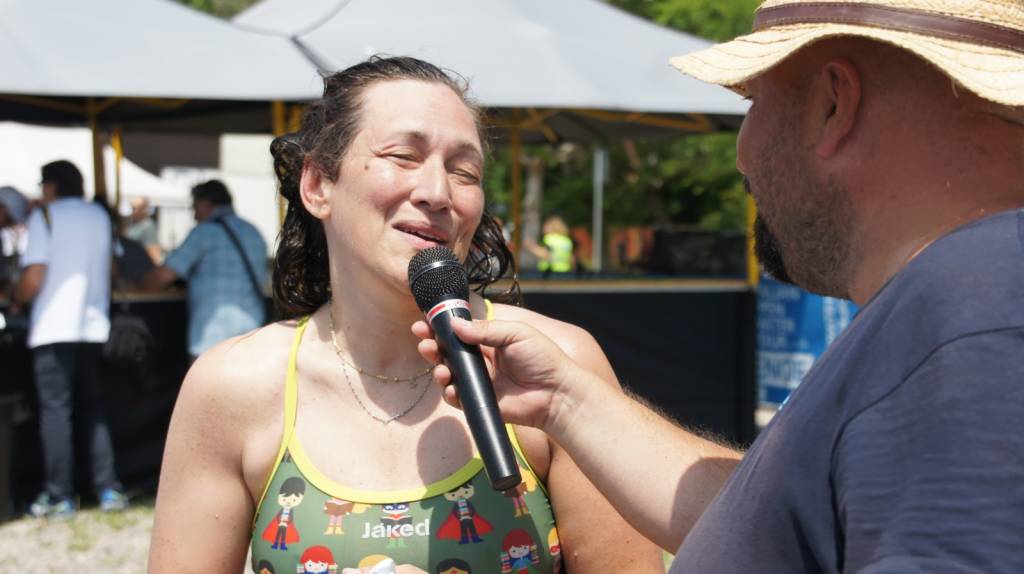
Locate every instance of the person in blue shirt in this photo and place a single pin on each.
(223, 262)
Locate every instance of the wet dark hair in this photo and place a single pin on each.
(66, 177)
(301, 276)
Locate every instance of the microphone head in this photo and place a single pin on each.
(436, 274)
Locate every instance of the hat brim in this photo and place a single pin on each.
(992, 73)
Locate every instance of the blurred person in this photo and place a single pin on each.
(13, 234)
(223, 262)
(883, 149)
(66, 278)
(555, 250)
(389, 162)
(142, 229)
(132, 262)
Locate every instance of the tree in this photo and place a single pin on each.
(713, 19)
(693, 179)
(221, 8)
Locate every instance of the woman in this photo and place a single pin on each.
(276, 431)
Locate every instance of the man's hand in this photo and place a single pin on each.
(531, 374)
(158, 278)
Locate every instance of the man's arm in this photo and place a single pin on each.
(179, 262)
(158, 278)
(658, 476)
(29, 284)
(34, 261)
(155, 253)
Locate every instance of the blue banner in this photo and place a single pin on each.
(794, 328)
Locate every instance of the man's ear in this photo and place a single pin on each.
(837, 95)
(315, 191)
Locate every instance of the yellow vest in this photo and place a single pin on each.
(559, 253)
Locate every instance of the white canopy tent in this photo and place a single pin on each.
(141, 64)
(143, 49)
(564, 54)
(576, 70)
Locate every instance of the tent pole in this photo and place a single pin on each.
(600, 171)
(515, 149)
(295, 118)
(99, 177)
(115, 142)
(753, 271)
(278, 124)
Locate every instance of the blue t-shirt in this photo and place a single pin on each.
(903, 449)
(222, 301)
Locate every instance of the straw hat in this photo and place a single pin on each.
(979, 43)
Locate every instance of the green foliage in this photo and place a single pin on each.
(221, 8)
(713, 19)
(690, 180)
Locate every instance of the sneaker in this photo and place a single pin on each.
(112, 500)
(46, 506)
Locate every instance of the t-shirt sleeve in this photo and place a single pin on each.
(37, 247)
(184, 259)
(147, 236)
(930, 478)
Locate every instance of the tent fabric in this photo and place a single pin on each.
(579, 54)
(143, 49)
(26, 148)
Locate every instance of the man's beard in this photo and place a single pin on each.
(766, 248)
(810, 244)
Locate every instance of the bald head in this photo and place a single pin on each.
(857, 150)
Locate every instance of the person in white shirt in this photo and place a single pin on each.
(66, 278)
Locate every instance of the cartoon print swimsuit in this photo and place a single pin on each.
(306, 523)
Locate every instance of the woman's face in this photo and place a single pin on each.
(410, 179)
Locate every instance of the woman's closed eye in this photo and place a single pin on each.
(404, 156)
(466, 176)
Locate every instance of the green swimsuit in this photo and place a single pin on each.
(306, 523)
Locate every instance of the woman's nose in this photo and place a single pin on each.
(433, 190)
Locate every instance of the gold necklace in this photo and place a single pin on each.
(358, 369)
(392, 418)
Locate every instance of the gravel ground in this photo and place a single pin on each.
(92, 541)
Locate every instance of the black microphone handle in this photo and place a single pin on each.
(478, 401)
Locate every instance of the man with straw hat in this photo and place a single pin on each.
(884, 148)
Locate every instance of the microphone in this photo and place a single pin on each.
(441, 288)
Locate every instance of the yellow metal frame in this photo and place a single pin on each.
(115, 142)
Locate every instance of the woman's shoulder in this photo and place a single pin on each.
(242, 375)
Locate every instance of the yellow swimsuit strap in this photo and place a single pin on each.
(290, 404)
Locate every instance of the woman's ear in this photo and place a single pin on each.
(838, 95)
(315, 191)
